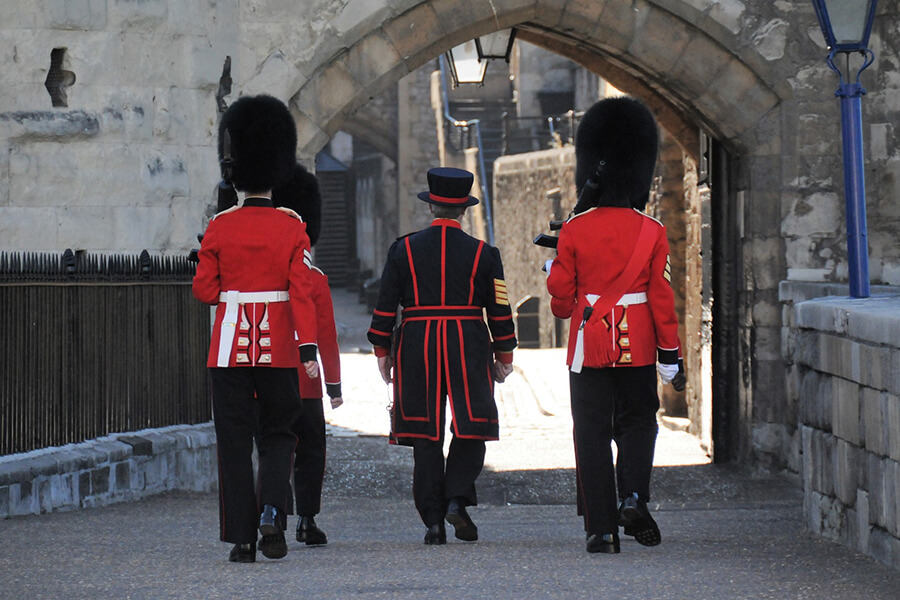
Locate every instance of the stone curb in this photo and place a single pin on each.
(116, 468)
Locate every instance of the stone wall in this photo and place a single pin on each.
(843, 358)
(522, 210)
(116, 468)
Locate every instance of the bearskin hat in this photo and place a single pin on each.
(263, 140)
(300, 193)
(616, 148)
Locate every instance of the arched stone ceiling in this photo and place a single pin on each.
(683, 61)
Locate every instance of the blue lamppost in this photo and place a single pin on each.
(846, 25)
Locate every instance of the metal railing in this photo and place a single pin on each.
(93, 345)
(465, 131)
(529, 134)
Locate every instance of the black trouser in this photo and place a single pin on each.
(309, 457)
(248, 402)
(615, 403)
(434, 483)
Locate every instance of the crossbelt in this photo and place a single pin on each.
(232, 299)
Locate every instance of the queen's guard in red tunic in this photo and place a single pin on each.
(444, 282)
(300, 196)
(611, 276)
(254, 266)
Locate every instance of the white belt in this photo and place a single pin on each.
(250, 297)
(635, 298)
(232, 299)
(625, 300)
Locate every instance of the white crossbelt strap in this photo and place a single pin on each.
(232, 299)
(625, 300)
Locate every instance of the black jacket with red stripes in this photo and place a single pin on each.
(445, 281)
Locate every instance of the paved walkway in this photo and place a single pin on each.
(726, 534)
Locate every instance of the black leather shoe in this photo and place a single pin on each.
(436, 535)
(308, 532)
(607, 543)
(638, 522)
(243, 553)
(272, 543)
(461, 521)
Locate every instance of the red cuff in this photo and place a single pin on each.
(504, 357)
(382, 351)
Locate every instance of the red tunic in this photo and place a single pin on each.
(326, 338)
(594, 247)
(259, 249)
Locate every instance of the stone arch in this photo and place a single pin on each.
(694, 66)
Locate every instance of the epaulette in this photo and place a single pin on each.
(290, 212)
(225, 212)
(581, 213)
(643, 214)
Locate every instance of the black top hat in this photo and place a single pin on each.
(449, 187)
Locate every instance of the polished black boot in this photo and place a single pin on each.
(243, 553)
(309, 533)
(607, 543)
(461, 521)
(272, 543)
(637, 521)
(436, 535)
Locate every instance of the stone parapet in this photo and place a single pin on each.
(117, 468)
(843, 357)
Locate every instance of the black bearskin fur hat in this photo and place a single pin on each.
(300, 193)
(616, 148)
(263, 142)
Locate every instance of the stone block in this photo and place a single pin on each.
(874, 366)
(892, 420)
(84, 484)
(100, 481)
(863, 525)
(816, 400)
(23, 499)
(141, 16)
(846, 410)
(112, 450)
(659, 40)
(875, 319)
(875, 424)
(701, 60)
(418, 32)
(75, 14)
(875, 467)
(64, 491)
(374, 58)
(4, 501)
(122, 476)
(881, 547)
(44, 494)
(821, 460)
(847, 463)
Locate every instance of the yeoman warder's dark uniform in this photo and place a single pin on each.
(445, 282)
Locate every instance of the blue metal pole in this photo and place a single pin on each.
(854, 188)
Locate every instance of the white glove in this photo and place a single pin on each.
(667, 372)
(547, 265)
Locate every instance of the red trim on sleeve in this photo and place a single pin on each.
(381, 351)
(504, 357)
